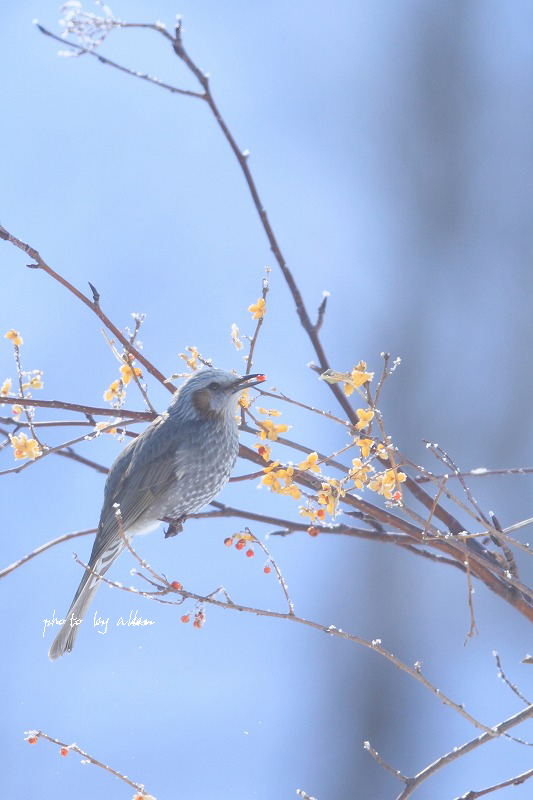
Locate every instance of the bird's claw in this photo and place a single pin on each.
(175, 526)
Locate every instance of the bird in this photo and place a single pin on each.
(172, 469)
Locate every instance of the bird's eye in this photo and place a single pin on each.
(214, 385)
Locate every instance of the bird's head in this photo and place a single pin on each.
(211, 393)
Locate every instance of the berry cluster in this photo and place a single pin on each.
(199, 618)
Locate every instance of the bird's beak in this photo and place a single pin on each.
(246, 382)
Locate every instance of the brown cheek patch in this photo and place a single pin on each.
(201, 400)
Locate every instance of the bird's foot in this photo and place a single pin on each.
(175, 526)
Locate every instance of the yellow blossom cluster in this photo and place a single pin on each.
(5, 388)
(387, 483)
(35, 382)
(313, 514)
(350, 380)
(115, 393)
(258, 309)
(271, 431)
(364, 417)
(101, 425)
(24, 447)
(15, 337)
(244, 399)
(330, 494)
(310, 463)
(192, 360)
(274, 478)
(16, 410)
(359, 472)
(127, 372)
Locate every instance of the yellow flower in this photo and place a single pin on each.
(271, 481)
(15, 337)
(308, 512)
(365, 445)
(359, 375)
(16, 410)
(359, 472)
(235, 337)
(263, 450)
(24, 447)
(384, 483)
(364, 418)
(114, 392)
(293, 491)
(5, 388)
(270, 431)
(34, 383)
(381, 452)
(101, 425)
(310, 463)
(352, 380)
(258, 309)
(271, 412)
(192, 360)
(329, 496)
(244, 400)
(127, 373)
(271, 466)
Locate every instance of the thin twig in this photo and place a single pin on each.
(375, 645)
(382, 763)
(99, 411)
(516, 781)
(59, 447)
(42, 548)
(458, 752)
(480, 472)
(92, 304)
(27, 410)
(281, 396)
(503, 676)
(134, 73)
(86, 758)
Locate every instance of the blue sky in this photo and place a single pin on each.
(391, 144)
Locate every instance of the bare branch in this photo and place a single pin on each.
(472, 795)
(32, 736)
(94, 306)
(503, 676)
(43, 547)
(458, 752)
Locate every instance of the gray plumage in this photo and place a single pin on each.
(177, 465)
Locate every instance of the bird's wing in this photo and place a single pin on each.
(146, 468)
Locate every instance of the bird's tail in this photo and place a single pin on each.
(64, 641)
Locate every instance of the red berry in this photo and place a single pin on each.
(250, 553)
(32, 740)
(185, 618)
(228, 542)
(240, 544)
(176, 585)
(261, 450)
(312, 531)
(266, 570)
(63, 751)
